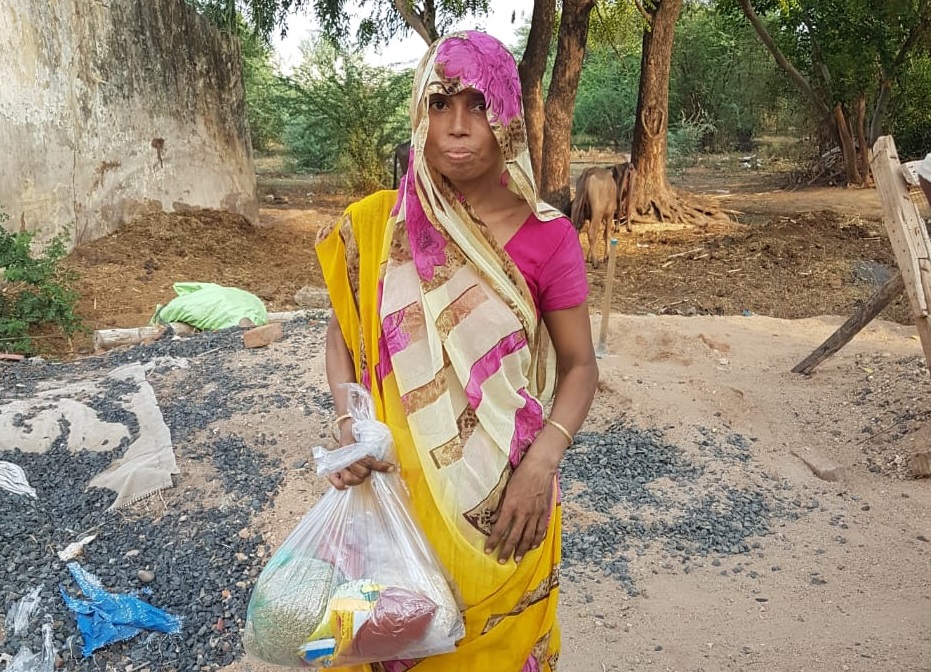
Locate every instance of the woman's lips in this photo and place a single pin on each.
(458, 154)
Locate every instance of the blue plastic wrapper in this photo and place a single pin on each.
(105, 617)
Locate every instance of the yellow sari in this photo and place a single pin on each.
(443, 331)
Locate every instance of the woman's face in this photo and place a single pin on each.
(460, 143)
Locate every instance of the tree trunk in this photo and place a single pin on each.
(532, 67)
(879, 111)
(648, 151)
(863, 150)
(560, 102)
(846, 144)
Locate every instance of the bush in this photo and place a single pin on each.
(346, 115)
(35, 291)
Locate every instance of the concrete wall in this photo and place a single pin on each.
(108, 109)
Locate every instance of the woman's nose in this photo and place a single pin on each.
(460, 120)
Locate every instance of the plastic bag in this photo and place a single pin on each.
(13, 479)
(18, 617)
(209, 306)
(356, 581)
(106, 617)
(42, 661)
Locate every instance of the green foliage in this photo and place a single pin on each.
(346, 115)
(687, 137)
(848, 49)
(910, 114)
(379, 20)
(725, 83)
(724, 87)
(265, 92)
(35, 291)
(606, 101)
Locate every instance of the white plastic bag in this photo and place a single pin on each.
(13, 479)
(18, 617)
(356, 581)
(42, 661)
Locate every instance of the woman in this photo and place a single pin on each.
(460, 302)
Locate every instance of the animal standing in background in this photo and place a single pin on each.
(596, 201)
(625, 177)
(402, 154)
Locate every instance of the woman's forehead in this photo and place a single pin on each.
(470, 93)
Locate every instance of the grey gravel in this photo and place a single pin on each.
(196, 559)
(611, 473)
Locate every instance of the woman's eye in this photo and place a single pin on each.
(437, 104)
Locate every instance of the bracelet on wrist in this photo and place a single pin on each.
(337, 422)
(562, 430)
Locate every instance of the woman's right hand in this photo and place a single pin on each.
(357, 472)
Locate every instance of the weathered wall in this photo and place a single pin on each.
(107, 109)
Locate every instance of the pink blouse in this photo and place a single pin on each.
(549, 256)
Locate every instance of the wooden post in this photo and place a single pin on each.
(908, 235)
(107, 339)
(602, 349)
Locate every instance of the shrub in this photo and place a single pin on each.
(35, 291)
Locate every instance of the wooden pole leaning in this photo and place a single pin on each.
(602, 348)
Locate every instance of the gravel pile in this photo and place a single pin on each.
(649, 493)
(196, 558)
(891, 411)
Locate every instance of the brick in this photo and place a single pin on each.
(259, 337)
(821, 466)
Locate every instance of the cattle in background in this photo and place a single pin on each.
(402, 154)
(596, 202)
(625, 177)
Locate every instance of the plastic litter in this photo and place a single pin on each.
(356, 581)
(18, 617)
(13, 479)
(209, 306)
(43, 661)
(105, 617)
(75, 548)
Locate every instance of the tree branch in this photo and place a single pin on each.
(423, 23)
(643, 12)
(917, 32)
(783, 62)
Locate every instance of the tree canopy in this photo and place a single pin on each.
(379, 20)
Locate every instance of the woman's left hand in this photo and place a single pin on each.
(523, 514)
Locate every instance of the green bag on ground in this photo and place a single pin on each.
(208, 306)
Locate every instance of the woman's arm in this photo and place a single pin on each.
(522, 518)
(339, 371)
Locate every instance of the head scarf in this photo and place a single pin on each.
(430, 206)
(460, 332)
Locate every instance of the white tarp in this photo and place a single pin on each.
(34, 424)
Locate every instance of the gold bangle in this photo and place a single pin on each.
(339, 419)
(562, 430)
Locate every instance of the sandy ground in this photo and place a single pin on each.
(865, 545)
